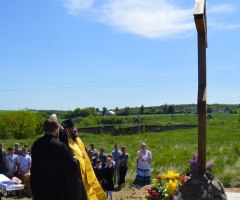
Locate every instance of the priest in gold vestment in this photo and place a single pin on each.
(69, 135)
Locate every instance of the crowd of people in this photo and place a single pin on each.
(15, 163)
(119, 163)
(110, 169)
(59, 166)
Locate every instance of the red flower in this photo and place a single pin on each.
(149, 190)
(183, 179)
(160, 176)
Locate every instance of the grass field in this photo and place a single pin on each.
(3, 111)
(172, 149)
(189, 119)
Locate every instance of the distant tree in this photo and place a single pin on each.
(97, 110)
(153, 110)
(227, 108)
(165, 109)
(90, 121)
(3, 128)
(68, 114)
(87, 112)
(104, 111)
(41, 117)
(77, 120)
(43, 114)
(142, 109)
(170, 109)
(126, 111)
(209, 108)
(21, 124)
(60, 114)
(116, 110)
(77, 112)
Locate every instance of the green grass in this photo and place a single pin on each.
(189, 119)
(3, 111)
(172, 149)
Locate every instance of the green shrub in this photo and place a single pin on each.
(19, 124)
(89, 121)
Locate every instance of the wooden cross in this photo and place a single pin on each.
(201, 26)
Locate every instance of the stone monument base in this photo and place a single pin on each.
(202, 186)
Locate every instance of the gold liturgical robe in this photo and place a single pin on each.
(92, 187)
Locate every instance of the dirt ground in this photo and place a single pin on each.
(130, 193)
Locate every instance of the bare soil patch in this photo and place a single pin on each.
(131, 193)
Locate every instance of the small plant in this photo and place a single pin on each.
(209, 167)
(194, 165)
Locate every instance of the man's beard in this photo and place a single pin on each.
(73, 134)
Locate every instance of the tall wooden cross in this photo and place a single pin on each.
(201, 26)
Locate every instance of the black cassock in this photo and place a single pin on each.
(99, 173)
(108, 176)
(54, 172)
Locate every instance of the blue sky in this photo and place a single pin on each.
(67, 54)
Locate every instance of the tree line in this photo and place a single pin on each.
(21, 124)
(126, 111)
(28, 123)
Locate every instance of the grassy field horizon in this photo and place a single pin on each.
(171, 150)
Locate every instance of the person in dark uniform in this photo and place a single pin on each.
(108, 185)
(54, 172)
(3, 167)
(98, 170)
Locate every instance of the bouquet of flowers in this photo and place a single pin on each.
(164, 186)
(167, 187)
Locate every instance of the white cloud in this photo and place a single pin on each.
(227, 27)
(151, 18)
(215, 13)
(222, 9)
(74, 7)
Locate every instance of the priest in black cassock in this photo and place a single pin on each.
(54, 172)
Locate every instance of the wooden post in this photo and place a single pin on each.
(201, 26)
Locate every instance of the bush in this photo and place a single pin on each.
(113, 119)
(20, 124)
(90, 121)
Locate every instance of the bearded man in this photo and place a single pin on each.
(91, 185)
